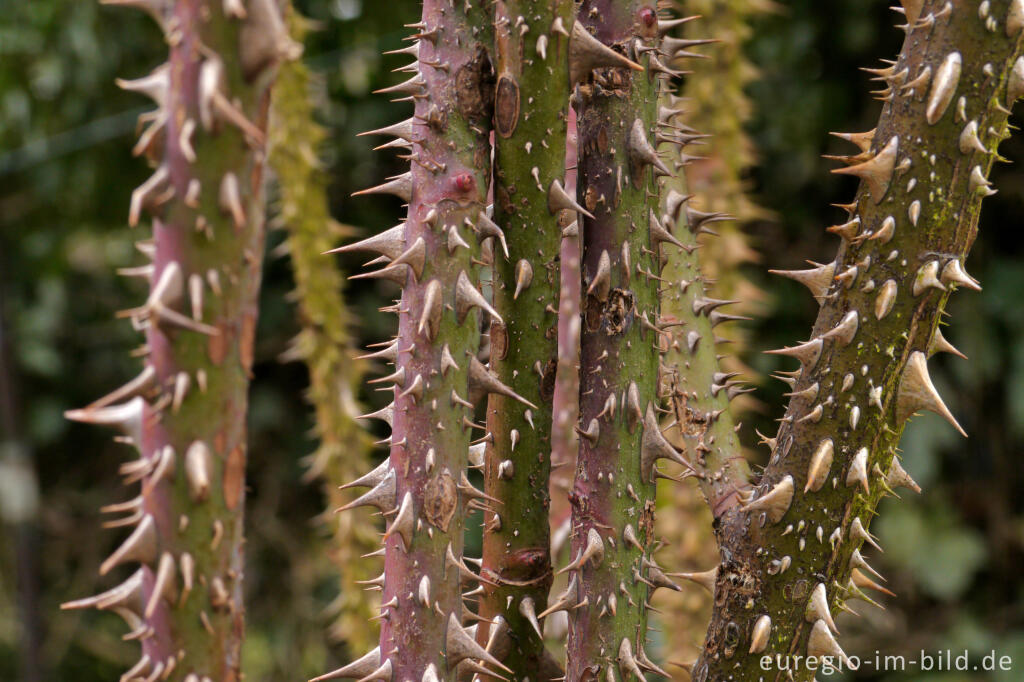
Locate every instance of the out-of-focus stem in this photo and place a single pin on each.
(324, 343)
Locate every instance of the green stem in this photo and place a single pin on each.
(789, 560)
(620, 440)
(422, 489)
(324, 342)
(186, 413)
(530, 136)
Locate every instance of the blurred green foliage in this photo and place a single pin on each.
(953, 554)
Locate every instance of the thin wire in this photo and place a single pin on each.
(109, 128)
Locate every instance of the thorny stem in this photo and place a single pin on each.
(324, 343)
(531, 99)
(698, 392)
(422, 489)
(186, 412)
(613, 497)
(790, 560)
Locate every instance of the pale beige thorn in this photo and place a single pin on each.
(399, 185)
(658, 234)
(640, 150)
(415, 389)
(858, 473)
(415, 256)
(627, 662)
(760, 634)
(944, 87)
(927, 278)
(403, 129)
(154, 185)
(126, 416)
(524, 276)
(969, 141)
(859, 532)
(459, 646)
(230, 199)
(775, 503)
(390, 243)
(591, 433)
(848, 230)
(594, 551)
(528, 611)
(876, 172)
(163, 585)
(916, 392)
(807, 353)
(601, 282)
(126, 596)
(198, 470)
(430, 319)
(559, 200)
(480, 377)
(953, 273)
(565, 601)
(818, 279)
(821, 464)
(382, 495)
(821, 643)
(1015, 83)
(404, 522)
(885, 232)
(447, 361)
(630, 538)
(654, 446)
(397, 273)
(857, 561)
(486, 227)
(140, 384)
(155, 85)
(140, 546)
(899, 478)
(705, 579)
(862, 140)
(885, 299)
(587, 53)
(357, 669)
(634, 413)
(818, 609)
(863, 581)
(467, 296)
(845, 330)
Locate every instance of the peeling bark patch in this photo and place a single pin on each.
(217, 347)
(474, 87)
(234, 477)
(547, 380)
(528, 566)
(615, 315)
(506, 106)
(440, 499)
(499, 341)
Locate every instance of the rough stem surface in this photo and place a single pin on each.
(186, 411)
(791, 559)
(613, 496)
(531, 101)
